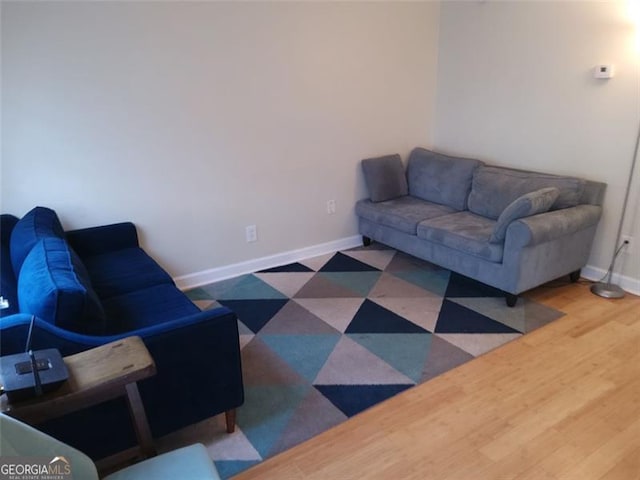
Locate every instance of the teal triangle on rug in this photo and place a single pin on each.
(306, 354)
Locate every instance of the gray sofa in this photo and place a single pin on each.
(511, 229)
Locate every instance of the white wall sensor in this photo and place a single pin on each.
(603, 71)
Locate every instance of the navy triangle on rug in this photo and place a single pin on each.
(326, 338)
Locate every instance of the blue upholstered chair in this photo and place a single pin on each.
(19, 440)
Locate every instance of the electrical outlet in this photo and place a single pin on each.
(251, 232)
(331, 207)
(629, 247)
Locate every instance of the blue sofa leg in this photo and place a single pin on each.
(230, 418)
(366, 241)
(511, 299)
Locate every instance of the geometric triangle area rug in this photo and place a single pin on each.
(326, 338)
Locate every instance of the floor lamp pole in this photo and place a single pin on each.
(608, 289)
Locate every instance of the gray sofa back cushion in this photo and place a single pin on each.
(494, 188)
(440, 178)
(385, 177)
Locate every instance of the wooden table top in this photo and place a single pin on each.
(95, 376)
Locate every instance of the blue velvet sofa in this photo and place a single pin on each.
(93, 286)
(510, 229)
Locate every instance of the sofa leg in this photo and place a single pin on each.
(366, 241)
(230, 418)
(511, 299)
(574, 276)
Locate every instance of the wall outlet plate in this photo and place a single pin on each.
(251, 233)
(629, 247)
(603, 71)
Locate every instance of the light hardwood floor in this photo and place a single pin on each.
(562, 402)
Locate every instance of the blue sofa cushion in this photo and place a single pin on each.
(385, 178)
(39, 223)
(440, 178)
(465, 232)
(402, 213)
(528, 204)
(494, 188)
(145, 307)
(54, 285)
(123, 271)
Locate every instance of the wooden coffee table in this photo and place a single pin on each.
(95, 376)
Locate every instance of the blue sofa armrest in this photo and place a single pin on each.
(14, 330)
(106, 238)
(200, 363)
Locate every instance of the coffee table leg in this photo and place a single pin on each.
(140, 423)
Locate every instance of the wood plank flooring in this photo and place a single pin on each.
(562, 402)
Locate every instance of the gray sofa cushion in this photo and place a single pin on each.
(494, 188)
(463, 231)
(528, 204)
(402, 213)
(385, 177)
(440, 178)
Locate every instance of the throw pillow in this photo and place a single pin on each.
(54, 285)
(385, 178)
(528, 204)
(37, 224)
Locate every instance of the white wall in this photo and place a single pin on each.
(194, 120)
(515, 88)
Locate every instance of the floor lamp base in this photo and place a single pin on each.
(607, 290)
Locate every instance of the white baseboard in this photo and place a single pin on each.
(184, 282)
(229, 271)
(628, 284)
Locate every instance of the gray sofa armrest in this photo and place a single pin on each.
(551, 225)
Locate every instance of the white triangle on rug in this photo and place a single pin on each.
(287, 283)
(388, 285)
(478, 343)
(364, 368)
(316, 263)
(376, 258)
(337, 312)
(496, 309)
(245, 339)
(205, 304)
(232, 446)
(421, 311)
